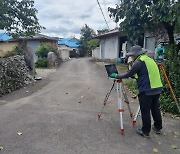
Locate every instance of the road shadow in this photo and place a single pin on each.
(25, 91)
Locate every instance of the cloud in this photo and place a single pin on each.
(66, 18)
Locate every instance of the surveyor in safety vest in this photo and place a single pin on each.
(146, 72)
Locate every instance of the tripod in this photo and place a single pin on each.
(121, 96)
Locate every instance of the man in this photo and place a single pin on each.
(145, 70)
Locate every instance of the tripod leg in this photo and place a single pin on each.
(120, 108)
(169, 84)
(105, 100)
(135, 117)
(126, 100)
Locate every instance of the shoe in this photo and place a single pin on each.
(140, 132)
(157, 131)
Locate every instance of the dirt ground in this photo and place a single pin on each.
(44, 73)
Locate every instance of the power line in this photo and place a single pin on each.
(103, 14)
(105, 7)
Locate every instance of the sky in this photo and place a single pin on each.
(65, 18)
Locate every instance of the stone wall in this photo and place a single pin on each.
(14, 74)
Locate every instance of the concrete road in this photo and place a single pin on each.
(61, 118)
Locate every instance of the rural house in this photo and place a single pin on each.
(68, 47)
(114, 44)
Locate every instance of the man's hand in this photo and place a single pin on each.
(113, 75)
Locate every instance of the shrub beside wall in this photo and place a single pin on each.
(42, 63)
(42, 53)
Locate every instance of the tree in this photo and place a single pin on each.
(19, 17)
(92, 44)
(86, 34)
(137, 15)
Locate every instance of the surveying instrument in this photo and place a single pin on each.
(121, 96)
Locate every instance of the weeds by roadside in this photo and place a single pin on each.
(132, 86)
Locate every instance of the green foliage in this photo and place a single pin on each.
(92, 44)
(132, 85)
(42, 62)
(86, 34)
(138, 15)
(43, 50)
(19, 17)
(172, 65)
(18, 50)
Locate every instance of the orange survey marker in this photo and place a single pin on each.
(169, 84)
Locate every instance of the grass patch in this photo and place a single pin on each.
(132, 86)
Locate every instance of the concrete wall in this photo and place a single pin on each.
(65, 54)
(109, 48)
(6, 46)
(96, 53)
(64, 51)
(32, 46)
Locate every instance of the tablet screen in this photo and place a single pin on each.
(111, 68)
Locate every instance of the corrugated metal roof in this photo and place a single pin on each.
(70, 42)
(4, 37)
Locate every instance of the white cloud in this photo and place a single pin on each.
(65, 18)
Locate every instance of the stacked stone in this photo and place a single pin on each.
(14, 74)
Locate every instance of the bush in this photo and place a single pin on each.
(42, 62)
(18, 50)
(43, 50)
(172, 65)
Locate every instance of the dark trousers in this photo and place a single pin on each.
(150, 103)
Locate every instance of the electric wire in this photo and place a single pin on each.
(103, 14)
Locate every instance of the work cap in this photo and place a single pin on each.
(136, 51)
